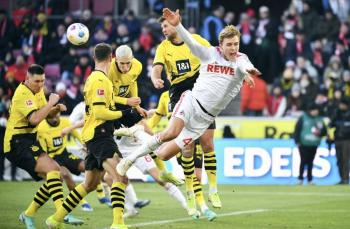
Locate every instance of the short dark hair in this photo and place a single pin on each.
(102, 52)
(161, 19)
(35, 69)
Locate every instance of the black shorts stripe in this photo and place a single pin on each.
(99, 103)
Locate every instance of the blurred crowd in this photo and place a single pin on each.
(303, 55)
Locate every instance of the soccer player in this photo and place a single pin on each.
(52, 141)
(127, 145)
(123, 72)
(222, 72)
(182, 68)
(195, 166)
(76, 117)
(97, 134)
(28, 108)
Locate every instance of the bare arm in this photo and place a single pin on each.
(37, 116)
(156, 76)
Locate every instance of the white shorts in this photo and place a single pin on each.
(127, 145)
(195, 119)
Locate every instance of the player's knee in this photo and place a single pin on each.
(90, 185)
(207, 146)
(164, 157)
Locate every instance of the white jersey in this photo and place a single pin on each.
(219, 80)
(77, 113)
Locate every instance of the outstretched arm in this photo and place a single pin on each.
(174, 19)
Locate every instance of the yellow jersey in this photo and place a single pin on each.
(50, 136)
(161, 111)
(124, 84)
(178, 60)
(98, 91)
(24, 103)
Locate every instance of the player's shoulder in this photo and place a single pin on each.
(241, 55)
(135, 62)
(65, 121)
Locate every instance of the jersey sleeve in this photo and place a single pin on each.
(160, 55)
(99, 93)
(77, 113)
(25, 105)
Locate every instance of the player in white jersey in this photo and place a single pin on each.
(127, 145)
(222, 72)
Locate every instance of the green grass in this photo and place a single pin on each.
(243, 207)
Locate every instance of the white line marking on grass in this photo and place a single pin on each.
(190, 219)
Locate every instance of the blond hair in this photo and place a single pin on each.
(228, 32)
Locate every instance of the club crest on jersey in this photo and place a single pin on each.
(100, 92)
(226, 70)
(29, 102)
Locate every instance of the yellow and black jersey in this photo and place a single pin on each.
(98, 91)
(24, 103)
(50, 137)
(124, 84)
(178, 60)
(161, 111)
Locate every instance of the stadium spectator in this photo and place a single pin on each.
(18, 71)
(123, 35)
(287, 81)
(88, 20)
(83, 69)
(68, 63)
(267, 57)
(213, 24)
(246, 28)
(308, 132)
(277, 102)
(132, 23)
(254, 100)
(294, 102)
(341, 121)
(7, 33)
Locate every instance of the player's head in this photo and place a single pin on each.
(102, 53)
(123, 58)
(167, 29)
(53, 119)
(229, 41)
(35, 78)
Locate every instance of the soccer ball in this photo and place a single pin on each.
(77, 34)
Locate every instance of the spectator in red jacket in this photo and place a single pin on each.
(277, 102)
(18, 70)
(254, 100)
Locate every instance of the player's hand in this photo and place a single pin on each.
(172, 17)
(254, 72)
(141, 111)
(133, 101)
(249, 80)
(61, 107)
(53, 99)
(158, 83)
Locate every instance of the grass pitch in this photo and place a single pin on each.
(243, 207)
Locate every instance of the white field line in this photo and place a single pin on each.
(190, 219)
(268, 193)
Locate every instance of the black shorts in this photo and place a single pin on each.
(101, 147)
(69, 160)
(24, 149)
(176, 90)
(129, 120)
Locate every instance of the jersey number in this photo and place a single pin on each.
(187, 141)
(183, 66)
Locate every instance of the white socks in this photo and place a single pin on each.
(148, 146)
(176, 194)
(130, 197)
